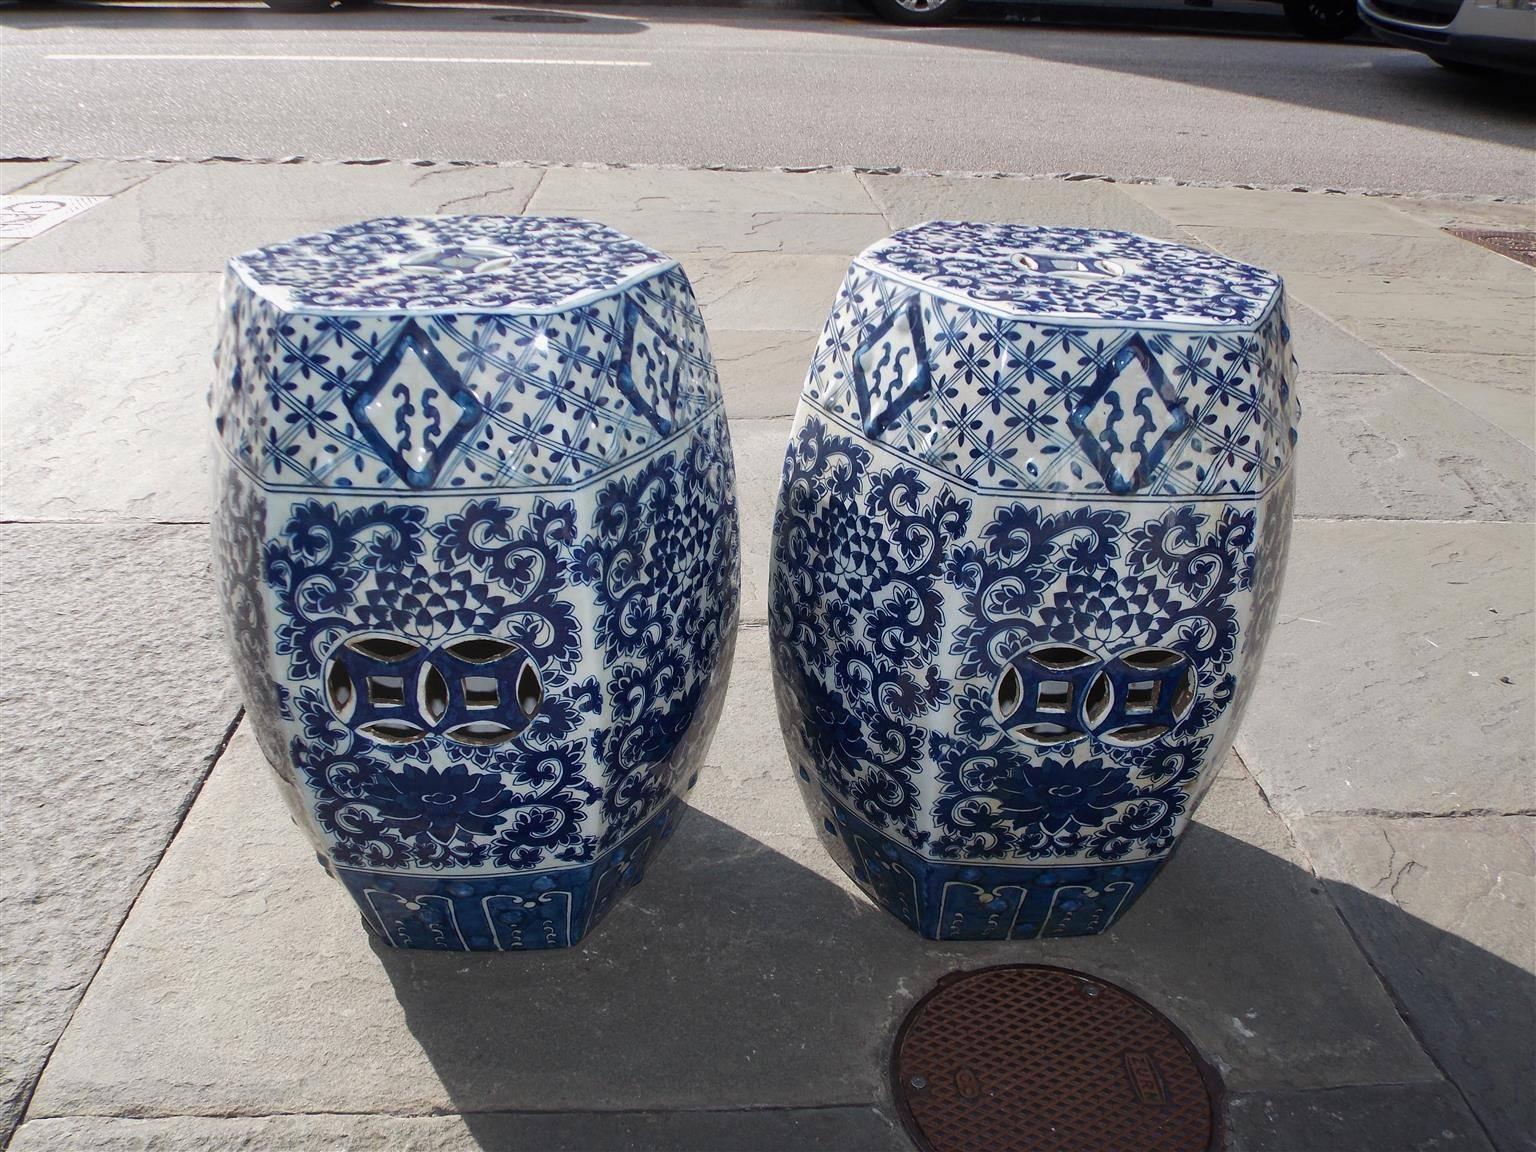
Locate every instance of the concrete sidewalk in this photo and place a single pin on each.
(1348, 935)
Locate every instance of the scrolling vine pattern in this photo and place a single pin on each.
(870, 563)
(660, 558)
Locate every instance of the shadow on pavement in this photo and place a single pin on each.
(734, 977)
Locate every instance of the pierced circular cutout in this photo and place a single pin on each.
(434, 694)
(480, 649)
(1152, 658)
(485, 733)
(393, 731)
(1060, 656)
(339, 690)
(384, 648)
(1048, 733)
(530, 690)
(1096, 703)
(1009, 692)
(1149, 696)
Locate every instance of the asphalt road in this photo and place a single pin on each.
(1226, 96)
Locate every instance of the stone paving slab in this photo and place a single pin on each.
(1365, 1118)
(1194, 207)
(683, 232)
(114, 697)
(743, 972)
(1322, 346)
(1424, 316)
(1392, 447)
(909, 198)
(758, 446)
(683, 190)
(193, 217)
(17, 174)
(93, 177)
(759, 1130)
(1399, 674)
(761, 373)
(759, 292)
(105, 381)
(1446, 910)
(1500, 389)
(1427, 256)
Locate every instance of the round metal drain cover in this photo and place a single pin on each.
(1037, 1059)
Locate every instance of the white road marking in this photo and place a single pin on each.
(551, 61)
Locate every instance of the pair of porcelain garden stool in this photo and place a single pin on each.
(478, 550)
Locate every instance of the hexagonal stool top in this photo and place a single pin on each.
(1013, 356)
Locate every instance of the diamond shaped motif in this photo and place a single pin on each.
(415, 409)
(650, 369)
(1129, 418)
(890, 369)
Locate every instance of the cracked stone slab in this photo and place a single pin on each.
(681, 232)
(105, 384)
(909, 198)
(1354, 1118)
(113, 696)
(743, 972)
(1446, 910)
(1192, 207)
(684, 190)
(1500, 389)
(766, 292)
(758, 446)
(96, 177)
(762, 373)
(1392, 447)
(855, 1129)
(1399, 674)
(193, 217)
(15, 175)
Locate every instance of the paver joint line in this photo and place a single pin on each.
(1327, 892)
(858, 170)
(1394, 814)
(181, 817)
(429, 1113)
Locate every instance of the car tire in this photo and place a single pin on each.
(1322, 19)
(917, 11)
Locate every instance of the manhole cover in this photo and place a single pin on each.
(1043, 1059)
(1519, 246)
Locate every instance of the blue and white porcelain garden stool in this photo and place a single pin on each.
(1029, 541)
(477, 546)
